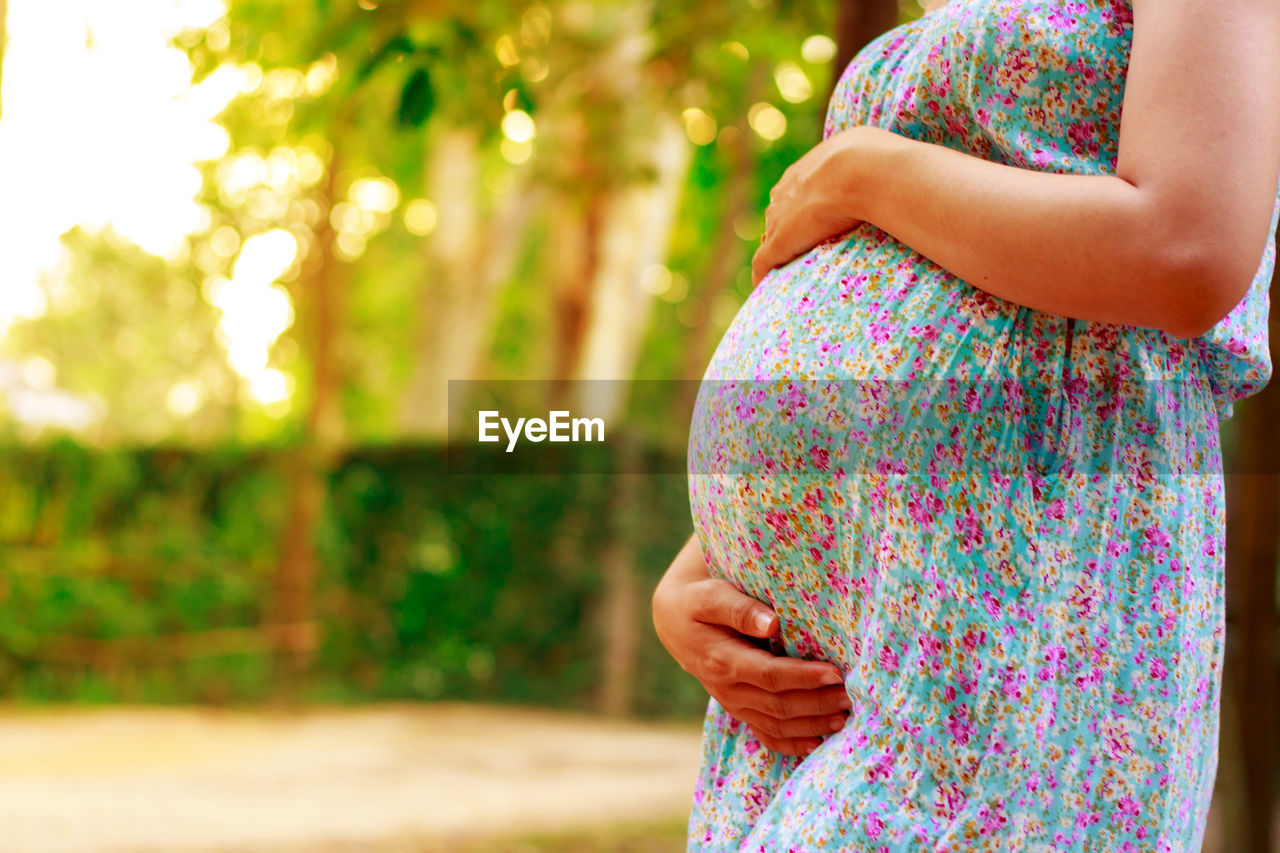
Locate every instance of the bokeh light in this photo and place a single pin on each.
(255, 310)
(767, 120)
(121, 144)
(420, 217)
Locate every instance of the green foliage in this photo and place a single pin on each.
(416, 100)
(364, 92)
(432, 585)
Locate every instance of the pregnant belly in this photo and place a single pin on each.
(865, 306)
(873, 430)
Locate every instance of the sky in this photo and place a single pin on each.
(99, 127)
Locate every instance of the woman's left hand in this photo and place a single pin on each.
(807, 204)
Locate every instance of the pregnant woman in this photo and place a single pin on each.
(956, 460)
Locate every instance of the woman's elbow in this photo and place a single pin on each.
(1203, 287)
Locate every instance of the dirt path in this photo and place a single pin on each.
(145, 779)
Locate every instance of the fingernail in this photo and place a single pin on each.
(763, 620)
(836, 723)
(833, 678)
(845, 702)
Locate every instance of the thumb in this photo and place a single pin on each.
(746, 615)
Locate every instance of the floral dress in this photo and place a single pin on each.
(1006, 527)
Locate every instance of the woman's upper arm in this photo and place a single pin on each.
(1200, 133)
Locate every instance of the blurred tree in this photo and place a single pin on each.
(858, 22)
(109, 303)
(446, 190)
(1253, 560)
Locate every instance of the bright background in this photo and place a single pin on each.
(243, 246)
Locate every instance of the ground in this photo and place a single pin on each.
(438, 778)
(390, 778)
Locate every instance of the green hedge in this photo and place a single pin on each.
(431, 585)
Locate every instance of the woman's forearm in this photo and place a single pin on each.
(1092, 247)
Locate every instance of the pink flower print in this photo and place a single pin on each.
(882, 768)
(780, 524)
(1158, 670)
(992, 819)
(888, 658)
(874, 825)
(1012, 684)
(1116, 743)
(1060, 21)
(807, 646)
(1155, 540)
(927, 332)
(950, 801)
(1129, 809)
(969, 526)
(1084, 138)
(853, 287)
(795, 399)
(959, 725)
(755, 800)
(820, 457)
(991, 604)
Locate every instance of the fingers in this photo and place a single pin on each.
(778, 674)
(719, 603)
(794, 729)
(793, 704)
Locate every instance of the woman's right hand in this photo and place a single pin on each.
(705, 623)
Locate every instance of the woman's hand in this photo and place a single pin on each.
(705, 623)
(804, 205)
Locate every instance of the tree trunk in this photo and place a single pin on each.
(727, 252)
(620, 603)
(467, 261)
(319, 296)
(634, 232)
(605, 309)
(1253, 553)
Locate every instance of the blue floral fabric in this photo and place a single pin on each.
(1004, 526)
